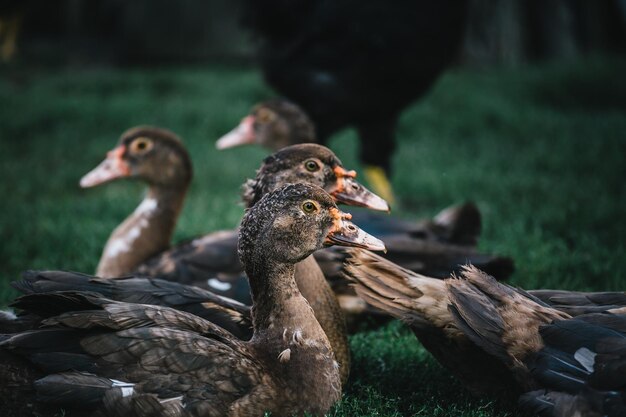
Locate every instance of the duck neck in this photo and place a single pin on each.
(288, 337)
(275, 294)
(146, 232)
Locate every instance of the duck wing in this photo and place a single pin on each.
(226, 313)
(581, 367)
(209, 261)
(144, 351)
(498, 318)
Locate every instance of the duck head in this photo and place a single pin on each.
(152, 154)
(313, 164)
(292, 222)
(273, 124)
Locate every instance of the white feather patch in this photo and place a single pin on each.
(126, 387)
(586, 358)
(147, 206)
(8, 314)
(218, 285)
(297, 337)
(123, 243)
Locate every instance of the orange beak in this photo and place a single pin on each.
(350, 192)
(241, 135)
(113, 167)
(345, 233)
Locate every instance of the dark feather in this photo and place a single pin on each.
(229, 314)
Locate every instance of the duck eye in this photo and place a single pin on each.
(311, 166)
(264, 116)
(141, 145)
(309, 207)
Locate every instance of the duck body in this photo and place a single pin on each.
(201, 369)
(224, 312)
(139, 359)
(577, 361)
(485, 332)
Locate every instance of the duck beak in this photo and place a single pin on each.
(346, 233)
(350, 192)
(241, 135)
(111, 168)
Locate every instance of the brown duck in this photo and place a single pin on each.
(485, 332)
(198, 261)
(158, 157)
(134, 359)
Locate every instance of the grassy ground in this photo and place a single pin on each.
(541, 150)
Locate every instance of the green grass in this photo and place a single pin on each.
(541, 150)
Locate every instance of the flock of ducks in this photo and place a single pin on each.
(255, 320)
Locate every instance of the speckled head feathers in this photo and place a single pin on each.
(282, 228)
(289, 166)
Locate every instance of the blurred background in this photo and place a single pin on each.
(148, 32)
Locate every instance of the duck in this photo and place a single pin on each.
(484, 331)
(137, 359)
(272, 124)
(352, 65)
(157, 157)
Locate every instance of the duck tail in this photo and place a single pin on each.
(461, 224)
(12, 323)
(58, 302)
(577, 303)
(88, 392)
(33, 282)
(403, 294)
(82, 388)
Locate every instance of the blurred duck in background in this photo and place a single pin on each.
(498, 339)
(158, 157)
(144, 360)
(356, 64)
